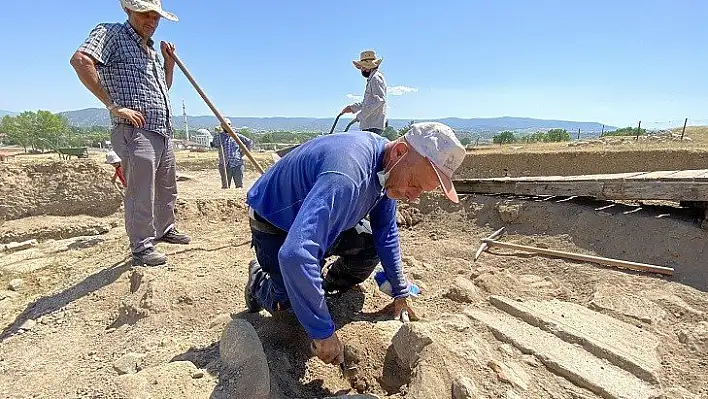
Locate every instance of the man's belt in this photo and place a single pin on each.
(259, 224)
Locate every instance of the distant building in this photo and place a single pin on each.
(202, 138)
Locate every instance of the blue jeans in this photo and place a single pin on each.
(357, 260)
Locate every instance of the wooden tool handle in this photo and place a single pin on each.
(643, 267)
(216, 112)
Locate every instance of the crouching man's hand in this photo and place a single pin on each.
(400, 305)
(329, 350)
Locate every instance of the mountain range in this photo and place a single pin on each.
(4, 113)
(99, 117)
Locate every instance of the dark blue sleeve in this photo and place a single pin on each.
(246, 141)
(323, 215)
(385, 230)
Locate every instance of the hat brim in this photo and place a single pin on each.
(445, 184)
(167, 15)
(367, 64)
(147, 8)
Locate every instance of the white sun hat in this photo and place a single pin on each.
(112, 157)
(437, 142)
(367, 60)
(148, 5)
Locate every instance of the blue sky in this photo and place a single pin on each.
(609, 61)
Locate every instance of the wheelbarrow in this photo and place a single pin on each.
(281, 153)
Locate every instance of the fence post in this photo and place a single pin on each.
(578, 133)
(685, 121)
(603, 131)
(639, 129)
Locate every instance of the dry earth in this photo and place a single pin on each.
(77, 321)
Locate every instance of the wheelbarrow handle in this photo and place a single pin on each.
(335, 122)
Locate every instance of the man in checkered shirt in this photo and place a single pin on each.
(120, 66)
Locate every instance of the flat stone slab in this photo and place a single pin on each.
(634, 306)
(565, 359)
(622, 344)
(166, 381)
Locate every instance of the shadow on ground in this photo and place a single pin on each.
(49, 304)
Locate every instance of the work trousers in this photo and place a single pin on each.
(357, 260)
(234, 174)
(148, 162)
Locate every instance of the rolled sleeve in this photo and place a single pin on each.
(321, 218)
(375, 99)
(356, 107)
(99, 44)
(386, 242)
(246, 141)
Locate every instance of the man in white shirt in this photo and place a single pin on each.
(372, 109)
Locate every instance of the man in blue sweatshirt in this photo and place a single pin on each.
(311, 205)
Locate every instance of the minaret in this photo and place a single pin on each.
(186, 125)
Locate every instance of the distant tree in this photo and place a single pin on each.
(552, 136)
(466, 141)
(391, 133)
(505, 137)
(51, 130)
(402, 131)
(179, 134)
(557, 135)
(10, 126)
(247, 132)
(625, 131)
(26, 128)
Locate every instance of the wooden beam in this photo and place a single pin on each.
(636, 189)
(643, 267)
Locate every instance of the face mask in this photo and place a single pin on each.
(383, 176)
(366, 74)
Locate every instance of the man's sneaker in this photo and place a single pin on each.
(175, 237)
(149, 257)
(254, 269)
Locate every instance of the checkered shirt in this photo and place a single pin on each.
(232, 151)
(133, 77)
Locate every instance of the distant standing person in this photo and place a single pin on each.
(114, 160)
(120, 66)
(232, 169)
(372, 109)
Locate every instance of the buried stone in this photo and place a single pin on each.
(244, 360)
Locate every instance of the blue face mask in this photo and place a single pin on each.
(383, 176)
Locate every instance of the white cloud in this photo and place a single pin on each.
(354, 96)
(401, 90)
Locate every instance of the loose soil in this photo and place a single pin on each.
(82, 310)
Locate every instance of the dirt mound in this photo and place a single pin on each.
(54, 228)
(501, 327)
(216, 210)
(479, 165)
(62, 188)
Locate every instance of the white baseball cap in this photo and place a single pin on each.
(112, 157)
(437, 142)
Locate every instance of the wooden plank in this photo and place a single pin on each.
(611, 189)
(685, 174)
(644, 267)
(652, 190)
(653, 175)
